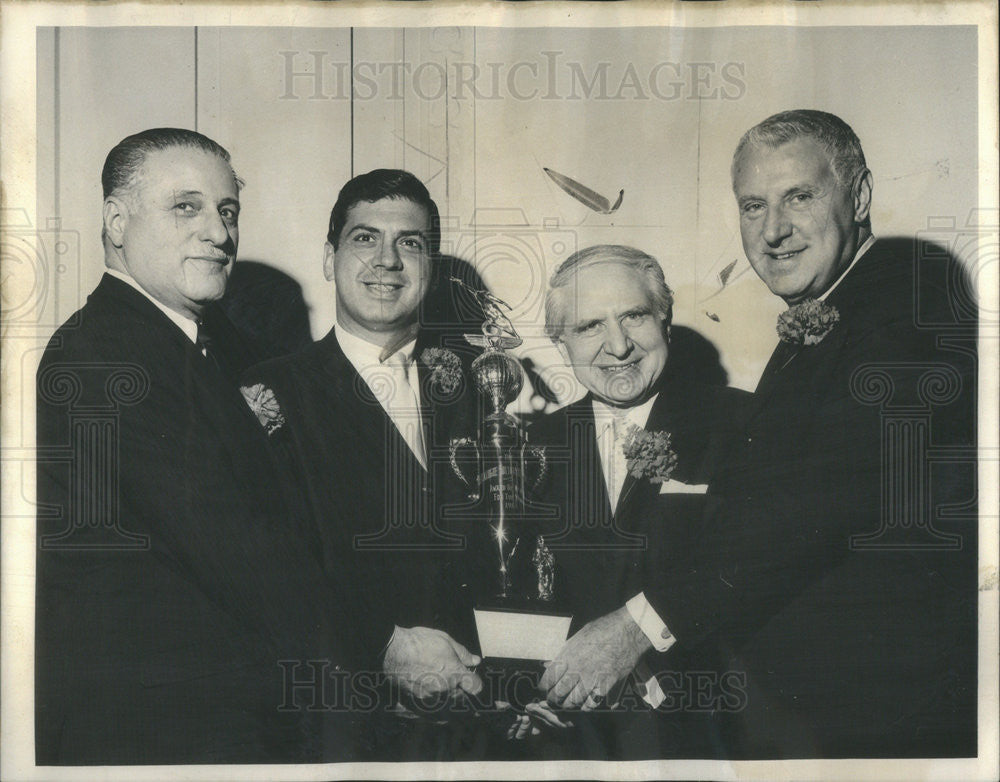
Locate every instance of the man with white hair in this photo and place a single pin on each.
(656, 438)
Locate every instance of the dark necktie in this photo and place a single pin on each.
(205, 344)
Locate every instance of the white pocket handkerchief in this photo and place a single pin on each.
(676, 487)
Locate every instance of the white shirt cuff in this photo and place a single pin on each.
(650, 623)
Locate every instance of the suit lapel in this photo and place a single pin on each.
(848, 297)
(636, 490)
(781, 357)
(585, 463)
(372, 421)
(202, 399)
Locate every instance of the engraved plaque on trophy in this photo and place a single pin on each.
(517, 609)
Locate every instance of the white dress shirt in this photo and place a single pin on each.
(614, 467)
(400, 403)
(612, 458)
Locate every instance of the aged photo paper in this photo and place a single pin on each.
(539, 129)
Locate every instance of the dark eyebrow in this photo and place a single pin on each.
(421, 234)
(363, 227)
(230, 202)
(637, 311)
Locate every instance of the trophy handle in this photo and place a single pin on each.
(543, 464)
(453, 451)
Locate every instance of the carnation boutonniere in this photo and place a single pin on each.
(649, 455)
(446, 369)
(807, 322)
(264, 404)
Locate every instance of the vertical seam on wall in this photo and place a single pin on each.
(475, 161)
(402, 130)
(697, 195)
(196, 79)
(352, 100)
(55, 127)
(447, 140)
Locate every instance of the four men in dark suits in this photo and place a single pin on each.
(182, 578)
(848, 607)
(172, 581)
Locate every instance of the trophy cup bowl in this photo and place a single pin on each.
(516, 610)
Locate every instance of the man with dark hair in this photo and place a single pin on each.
(836, 571)
(172, 582)
(363, 424)
(385, 183)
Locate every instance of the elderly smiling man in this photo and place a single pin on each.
(609, 310)
(846, 605)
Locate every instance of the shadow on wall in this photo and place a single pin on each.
(938, 266)
(449, 310)
(268, 308)
(695, 358)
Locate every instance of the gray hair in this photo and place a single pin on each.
(835, 136)
(555, 305)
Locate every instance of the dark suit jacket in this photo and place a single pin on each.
(606, 555)
(849, 648)
(171, 579)
(374, 510)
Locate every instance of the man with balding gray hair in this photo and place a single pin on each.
(608, 311)
(173, 584)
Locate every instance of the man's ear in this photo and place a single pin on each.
(115, 220)
(561, 347)
(862, 196)
(328, 257)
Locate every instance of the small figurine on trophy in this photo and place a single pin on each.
(516, 619)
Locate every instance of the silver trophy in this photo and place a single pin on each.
(516, 615)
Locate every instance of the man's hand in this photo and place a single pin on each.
(429, 665)
(593, 661)
(537, 717)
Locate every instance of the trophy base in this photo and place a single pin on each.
(510, 632)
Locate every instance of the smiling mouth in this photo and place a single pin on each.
(785, 256)
(382, 288)
(616, 369)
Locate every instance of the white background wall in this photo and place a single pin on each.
(480, 145)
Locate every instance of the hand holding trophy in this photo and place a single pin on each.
(517, 617)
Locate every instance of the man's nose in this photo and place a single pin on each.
(777, 226)
(214, 229)
(387, 256)
(617, 343)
